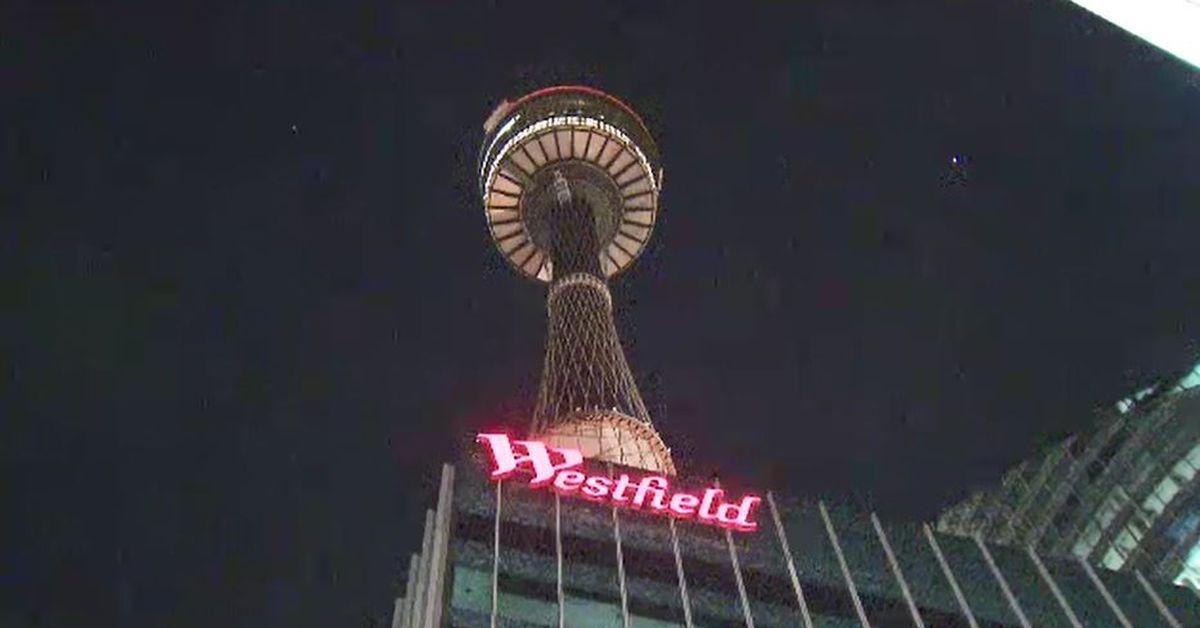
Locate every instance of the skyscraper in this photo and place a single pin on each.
(1125, 495)
(581, 521)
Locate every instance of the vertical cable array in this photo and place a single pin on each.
(1049, 580)
(791, 564)
(621, 569)
(841, 558)
(683, 590)
(891, 557)
(1158, 603)
(743, 599)
(1008, 594)
(1108, 598)
(496, 556)
(946, 571)
(558, 556)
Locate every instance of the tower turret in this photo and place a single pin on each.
(570, 179)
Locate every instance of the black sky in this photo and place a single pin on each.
(251, 303)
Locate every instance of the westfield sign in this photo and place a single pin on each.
(561, 469)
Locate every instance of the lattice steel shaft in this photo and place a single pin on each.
(585, 368)
(570, 183)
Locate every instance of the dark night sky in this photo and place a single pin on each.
(251, 303)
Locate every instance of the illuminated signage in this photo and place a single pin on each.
(560, 469)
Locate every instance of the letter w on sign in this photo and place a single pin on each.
(510, 455)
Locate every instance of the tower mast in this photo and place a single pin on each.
(570, 179)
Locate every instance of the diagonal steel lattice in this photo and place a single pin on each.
(570, 178)
(585, 368)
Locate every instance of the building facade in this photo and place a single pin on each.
(499, 553)
(585, 523)
(1125, 496)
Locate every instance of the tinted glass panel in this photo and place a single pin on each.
(1032, 593)
(1078, 589)
(711, 584)
(1132, 598)
(877, 586)
(816, 563)
(926, 581)
(772, 598)
(1183, 603)
(978, 585)
(527, 578)
(650, 573)
(589, 562)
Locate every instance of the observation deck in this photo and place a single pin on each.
(593, 140)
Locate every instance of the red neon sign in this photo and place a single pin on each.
(556, 467)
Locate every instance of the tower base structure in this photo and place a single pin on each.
(611, 437)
